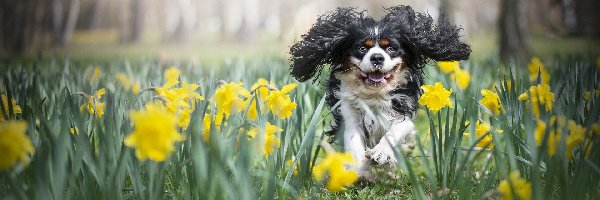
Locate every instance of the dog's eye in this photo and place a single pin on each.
(362, 49)
(391, 49)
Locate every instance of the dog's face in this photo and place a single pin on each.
(375, 60)
(375, 50)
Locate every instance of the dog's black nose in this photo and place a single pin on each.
(377, 59)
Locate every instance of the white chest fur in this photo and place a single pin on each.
(372, 114)
(369, 109)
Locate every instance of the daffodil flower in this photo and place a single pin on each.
(515, 184)
(435, 97)
(338, 167)
(16, 108)
(491, 101)
(14, 143)
(536, 67)
(155, 132)
(280, 103)
(271, 140)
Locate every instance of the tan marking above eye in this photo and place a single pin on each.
(384, 42)
(369, 43)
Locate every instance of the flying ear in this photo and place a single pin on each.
(439, 42)
(322, 44)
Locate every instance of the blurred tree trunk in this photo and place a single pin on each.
(137, 19)
(587, 16)
(570, 17)
(71, 21)
(447, 9)
(132, 21)
(514, 41)
(179, 20)
(23, 26)
(250, 17)
(98, 11)
(63, 22)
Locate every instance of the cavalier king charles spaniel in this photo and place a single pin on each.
(375, 73)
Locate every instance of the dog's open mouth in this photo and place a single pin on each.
(377, 78)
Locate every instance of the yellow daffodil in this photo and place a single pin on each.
(508, 83)
(123, 80)
(74, 131)
(96, 74)
(183, 120)
(536, 66)
(171, 77)
(544, 96)
(15, 145)
(261, 88)
(524, 96)
(289, 162)
(155, 133)
(206, 122)
(539, 132)
(491, 101)
(93, 104)
(179, 97)
(228, 98)
(98, 104)
(252, 111)
(435, 97)
(16, 108)
(461, 77)
(271, 140)
(596, 128)
(576, 136)
(520, 187)
(127, 83)
(280, 103)
(336, 165)
(481, 128)
(448, 66)
(89, 104)
(135, 88)
(536, 95)
(187, 93)
(587, 95)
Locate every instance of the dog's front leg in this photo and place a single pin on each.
(383, 152)
(353, 138)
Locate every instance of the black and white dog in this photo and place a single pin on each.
(375, 72)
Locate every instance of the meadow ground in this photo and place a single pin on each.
(187, 129)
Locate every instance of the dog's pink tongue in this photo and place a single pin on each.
(377, 77)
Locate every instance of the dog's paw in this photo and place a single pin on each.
(382, 154)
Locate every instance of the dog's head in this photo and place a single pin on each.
(373, 50)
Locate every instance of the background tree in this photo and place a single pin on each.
(132, 21)
(514, 41)
(64, 19)
(447, 9)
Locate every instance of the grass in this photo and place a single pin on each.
(443, 165)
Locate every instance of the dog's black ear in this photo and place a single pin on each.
(425, 39)
(323, 43)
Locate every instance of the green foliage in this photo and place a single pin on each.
(444, 164)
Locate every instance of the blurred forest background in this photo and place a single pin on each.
(217, 29)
